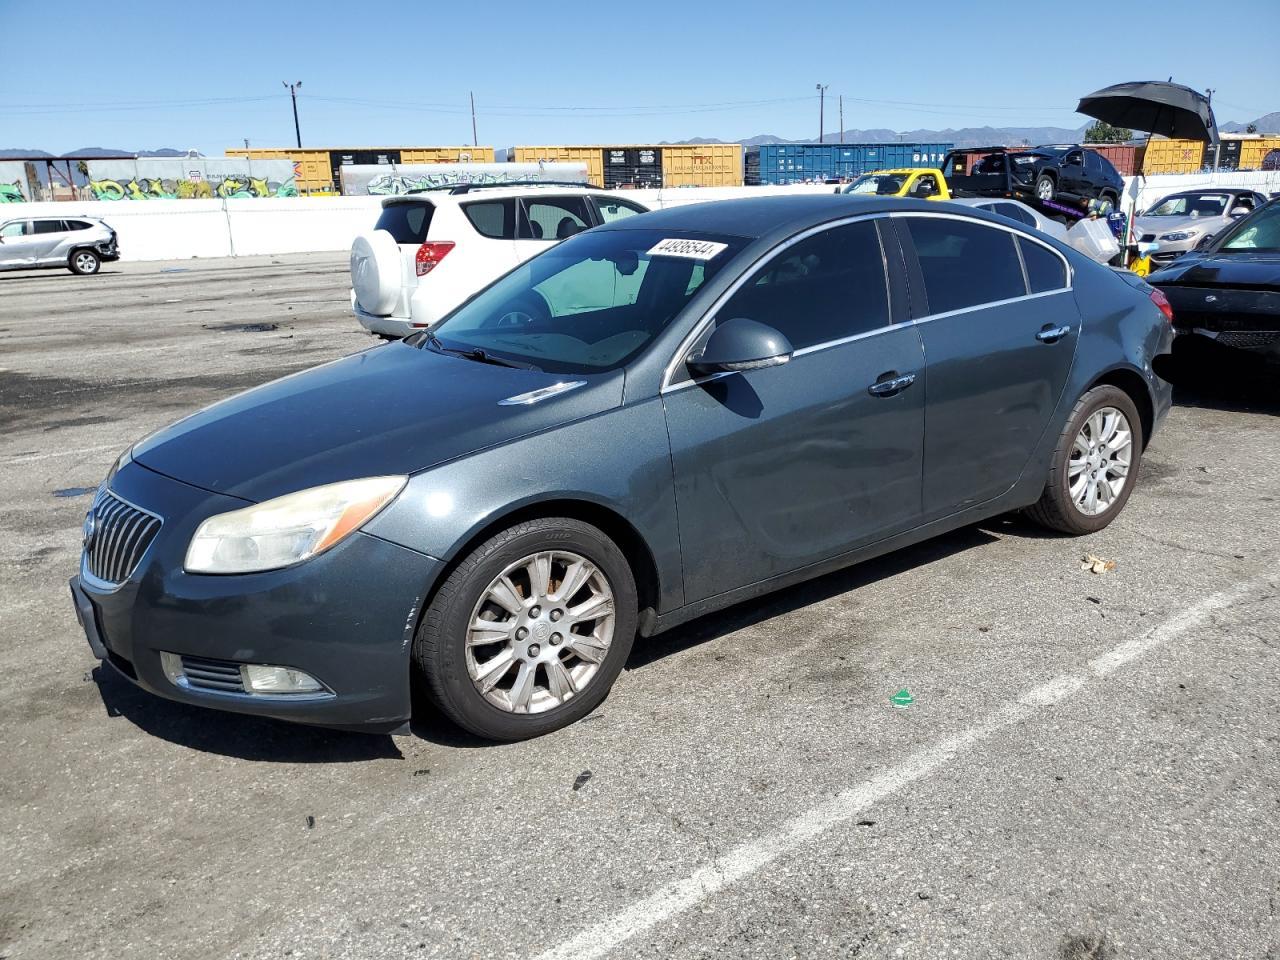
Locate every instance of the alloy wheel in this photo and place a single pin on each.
(85, 262)
(1101, 456)
(540, 632)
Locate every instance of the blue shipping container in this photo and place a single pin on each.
(782, 163)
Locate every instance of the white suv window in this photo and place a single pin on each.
(495, 219)
(553, 218)
(612, 209)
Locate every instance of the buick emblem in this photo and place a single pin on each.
(89, 529)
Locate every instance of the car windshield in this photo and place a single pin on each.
(1191, 205)
(1258, 232)
(881, 184)
(589, 304)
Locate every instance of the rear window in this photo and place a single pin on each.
(77, 225)
(495, 219)
(407, 222)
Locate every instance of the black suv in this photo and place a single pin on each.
(1058, 172)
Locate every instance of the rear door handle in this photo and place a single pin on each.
(1052, 334)
(891, 383)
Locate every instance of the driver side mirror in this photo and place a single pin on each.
(1204, 241)
(741, 344)
(1239, 212)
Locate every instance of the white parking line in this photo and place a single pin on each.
(744, 860)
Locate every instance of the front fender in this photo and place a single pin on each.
(619, 460)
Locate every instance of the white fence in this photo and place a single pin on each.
(179, 229)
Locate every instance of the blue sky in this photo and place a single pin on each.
(196, 75)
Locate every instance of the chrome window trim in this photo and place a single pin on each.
(700, 327)
(991, 303)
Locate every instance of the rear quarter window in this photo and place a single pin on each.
(495, 219)
(407, 222)
(1045, 270)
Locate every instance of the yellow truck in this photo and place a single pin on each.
(923, 183)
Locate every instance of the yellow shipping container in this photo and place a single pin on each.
(313, 168)
(683, 165)
(1253, 152)
(593, 157)
(702, 165)
(1173, 156)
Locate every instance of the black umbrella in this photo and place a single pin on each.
(1168, 109)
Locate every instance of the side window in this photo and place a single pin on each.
(925, 186)
(826, 287)
(1015, 212)
(16, 229)
(965, 263)
(611, 209)
(495, 219)
(553, 218)
(1045, 270)
(76, 225)
(49, 226)
(1073, 157)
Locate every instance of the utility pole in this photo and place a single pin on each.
(293, 92)
(841, 133)
(822, 97)
(475, 138)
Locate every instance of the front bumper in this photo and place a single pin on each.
(346, 617)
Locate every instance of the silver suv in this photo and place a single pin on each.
(80, 244)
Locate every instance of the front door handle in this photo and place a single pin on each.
(1052, 334)
(891, 384)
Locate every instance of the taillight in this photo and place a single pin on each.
(1161, 301)
(430, 255)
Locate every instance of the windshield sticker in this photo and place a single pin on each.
(690, 249)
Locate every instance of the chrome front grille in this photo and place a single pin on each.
(222, 676)
(117, 534)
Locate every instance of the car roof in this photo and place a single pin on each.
(760, 217)
(486, 192)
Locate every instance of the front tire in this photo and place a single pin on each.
(1095, 464)
(530, 630)
(1046, 189)
(84, 262)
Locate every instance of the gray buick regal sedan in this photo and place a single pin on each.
(648, 422)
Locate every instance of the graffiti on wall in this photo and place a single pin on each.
(389, 179)
(191, 179)
(13, 182)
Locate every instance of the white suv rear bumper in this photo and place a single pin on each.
(423, 315)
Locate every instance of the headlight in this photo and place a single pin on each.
(288, 529)
(1180, 235)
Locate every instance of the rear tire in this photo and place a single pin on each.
(1085, 450)
(476, 675)
(84, 262)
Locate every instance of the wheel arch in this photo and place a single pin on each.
(1135, 385)
(609, 521)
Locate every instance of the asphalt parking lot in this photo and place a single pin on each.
(1089, 767)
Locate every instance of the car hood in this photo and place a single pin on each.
(1159, 225)
(1239, 269)
(393, 409)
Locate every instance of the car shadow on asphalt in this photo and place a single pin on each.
(752, 612)
(233, 734)
(1211, 377)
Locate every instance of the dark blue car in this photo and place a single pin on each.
(647, 423)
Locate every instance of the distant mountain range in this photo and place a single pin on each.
(974, 136)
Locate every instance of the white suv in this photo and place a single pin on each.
(430, 251)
